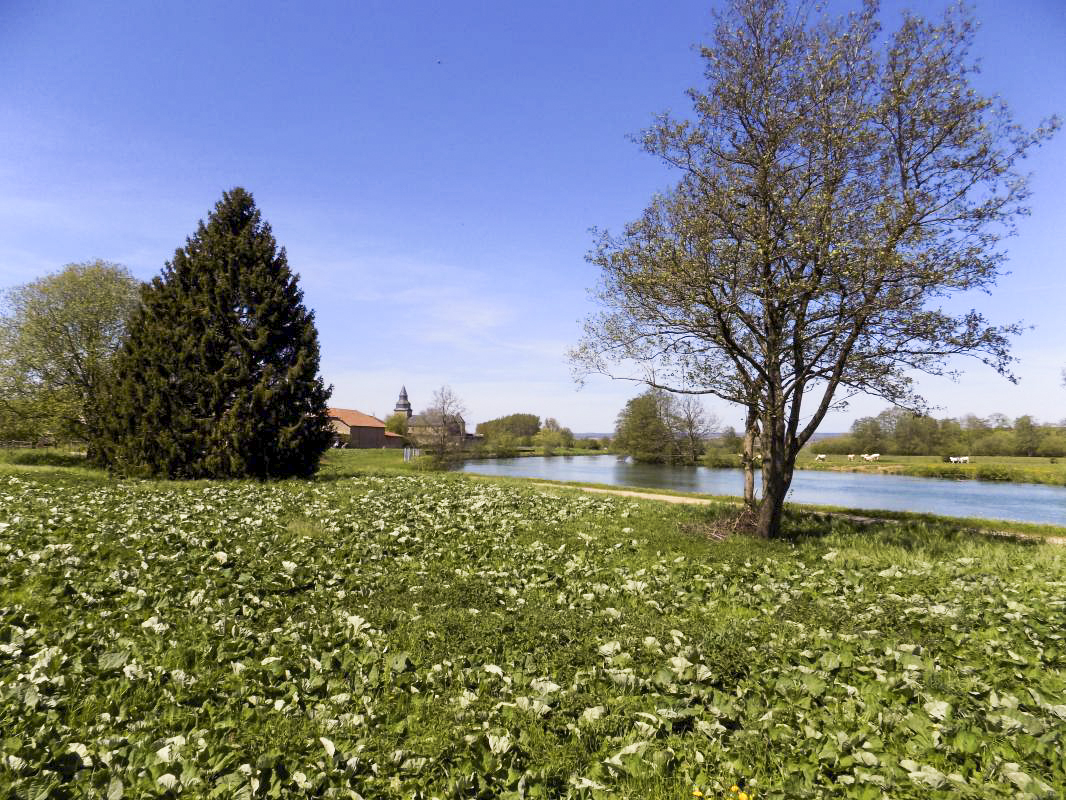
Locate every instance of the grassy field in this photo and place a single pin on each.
(387, 633)
(1017, 469)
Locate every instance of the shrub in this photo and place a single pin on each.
(994, 472)
(720, 459)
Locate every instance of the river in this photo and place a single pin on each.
(1020, 502)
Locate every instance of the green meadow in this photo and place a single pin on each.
(398, 634)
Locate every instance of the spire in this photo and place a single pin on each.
(403, 406)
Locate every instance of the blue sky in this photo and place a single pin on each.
(433, 171)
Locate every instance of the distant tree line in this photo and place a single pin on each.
(899, 432)
(505, 436)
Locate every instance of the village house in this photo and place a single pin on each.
(354, 429)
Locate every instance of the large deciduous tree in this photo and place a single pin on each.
(835, 187)
(58, 338)
(219, 377)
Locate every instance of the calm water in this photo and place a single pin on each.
(1023, 502)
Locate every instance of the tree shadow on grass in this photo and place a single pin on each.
(933, 535)
(43, 458)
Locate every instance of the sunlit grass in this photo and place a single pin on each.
(485, 633)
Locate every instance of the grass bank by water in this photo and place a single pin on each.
(396, 634)
(346, 463)
(1014, 469)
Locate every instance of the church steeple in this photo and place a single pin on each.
(402, 404)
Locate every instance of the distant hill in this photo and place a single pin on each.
(593, 435)
(828, 435)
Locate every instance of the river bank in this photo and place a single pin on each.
(865, 491)
(998, 469)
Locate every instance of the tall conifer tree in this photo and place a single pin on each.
(219, 376)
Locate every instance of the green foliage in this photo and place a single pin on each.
(58, 338)
(426, 635)
(721, 458)
(656, 427)
(730, 441)
(503, 445)
(517, 425)
(550, 440)
(397, 423)
(642, 432)
(219, 377)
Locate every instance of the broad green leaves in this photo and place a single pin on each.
(426, 636)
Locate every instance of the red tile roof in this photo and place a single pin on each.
(355, 419)
(391, 435)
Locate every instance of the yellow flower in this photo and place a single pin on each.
(742, 796)
(734, 788)
(696, 791)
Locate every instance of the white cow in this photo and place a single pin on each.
(820, 457)
(851, 456)
(964, 459)
(874, 456)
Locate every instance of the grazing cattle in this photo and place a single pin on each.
(851, 456)
(954, 459)
(964, 459)
(874, 456)
(820, 457)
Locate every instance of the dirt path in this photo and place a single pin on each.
(666, 498)
(702, 501)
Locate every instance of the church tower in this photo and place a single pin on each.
(403, 406)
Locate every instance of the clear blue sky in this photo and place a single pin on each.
(433, 170)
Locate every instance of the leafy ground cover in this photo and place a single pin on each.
(412, 635)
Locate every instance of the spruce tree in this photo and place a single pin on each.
(219, 375)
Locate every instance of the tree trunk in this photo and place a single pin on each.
(751, 430)
(779, 462)
(773, 502)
